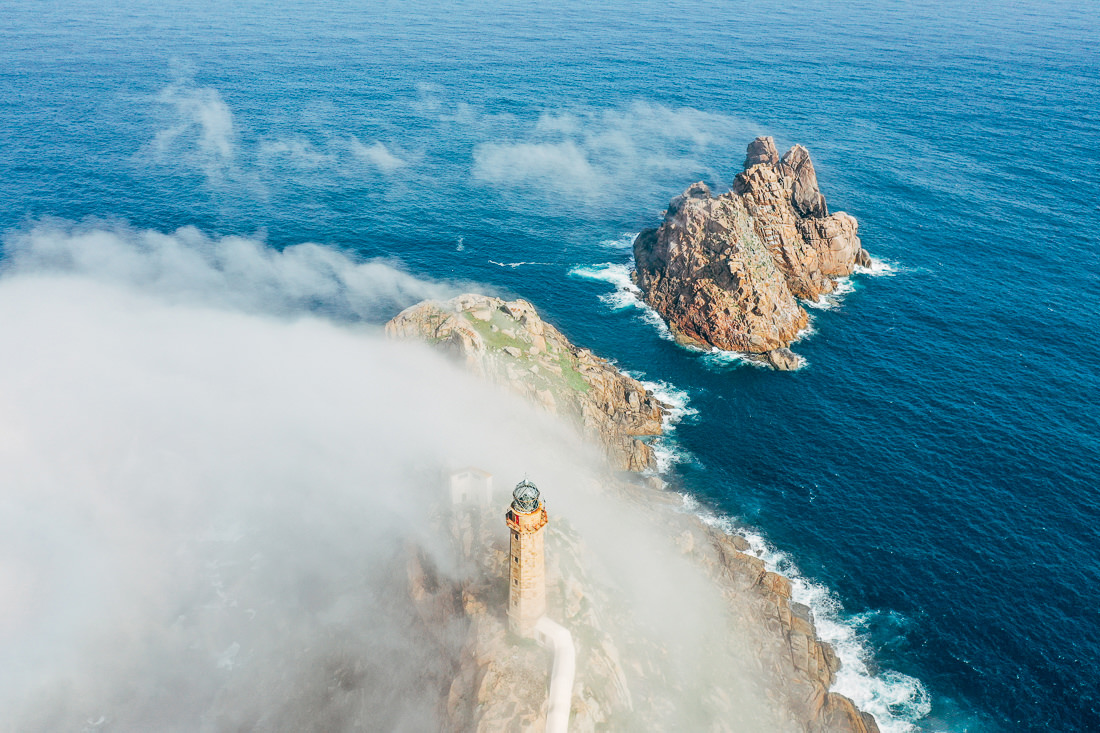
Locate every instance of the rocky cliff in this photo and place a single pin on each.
(727, 271)
(510, 344)
(624, 680)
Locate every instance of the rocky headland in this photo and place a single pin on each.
(727, 271)
(510, 344)
(623, 681)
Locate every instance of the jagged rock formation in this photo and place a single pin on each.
(510, 344)
(727, 270)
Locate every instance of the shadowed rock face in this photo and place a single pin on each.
(797, 168)
(725, 271)
(510, 344)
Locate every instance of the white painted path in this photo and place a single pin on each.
(562, 673)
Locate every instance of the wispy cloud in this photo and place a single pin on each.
(294, 151)
(378, 155)
(555, 165)
(591, 152)
(201, 132)
(188, 266)
(198, 130)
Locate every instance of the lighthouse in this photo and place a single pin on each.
(526, 521)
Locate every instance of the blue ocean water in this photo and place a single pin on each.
(935, 466)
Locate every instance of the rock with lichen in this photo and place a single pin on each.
(509, 343)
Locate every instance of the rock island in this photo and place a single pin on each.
(728, 271)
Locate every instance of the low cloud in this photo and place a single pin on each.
(200, 131)
(212, 470)
(600, 152)
(208, 486)
(236, 272)
(558, 166)
(377, 155)
(296, 152)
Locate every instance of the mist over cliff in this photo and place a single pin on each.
(212, 467)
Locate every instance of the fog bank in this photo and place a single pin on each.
(210, 468)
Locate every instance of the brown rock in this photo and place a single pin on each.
(777, 225)
(709, 275)
(800, 178)
(835, 242)
(510, 344)
(840, 715)
(784, 359)
(725, 270)
(761, 151)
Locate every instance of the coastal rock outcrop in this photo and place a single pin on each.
(624, 678)
(509, 343)
(727, 271)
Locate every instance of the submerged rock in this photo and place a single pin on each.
(727, 270)
(509, 343)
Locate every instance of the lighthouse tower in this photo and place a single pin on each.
(527, 590)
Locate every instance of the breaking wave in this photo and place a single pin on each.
(830, 300)
(896, 700)
(878, 268)
(625, 241)
(514, 265)
(625, 295)
(718, 360)
(846, 285)
(666, 450)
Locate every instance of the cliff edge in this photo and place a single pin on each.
(624, 680)
(727, 271)
(510, 344)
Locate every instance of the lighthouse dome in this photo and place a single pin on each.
(525, 498)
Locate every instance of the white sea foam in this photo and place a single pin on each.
(667, 452)
(625, 241)
(626, 293)
(896, 700)
(878, 268)
(677, 399)
(846, 285)
(716, 359)
(514, 265)
(830, 300)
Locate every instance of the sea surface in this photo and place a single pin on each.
(931, 477)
